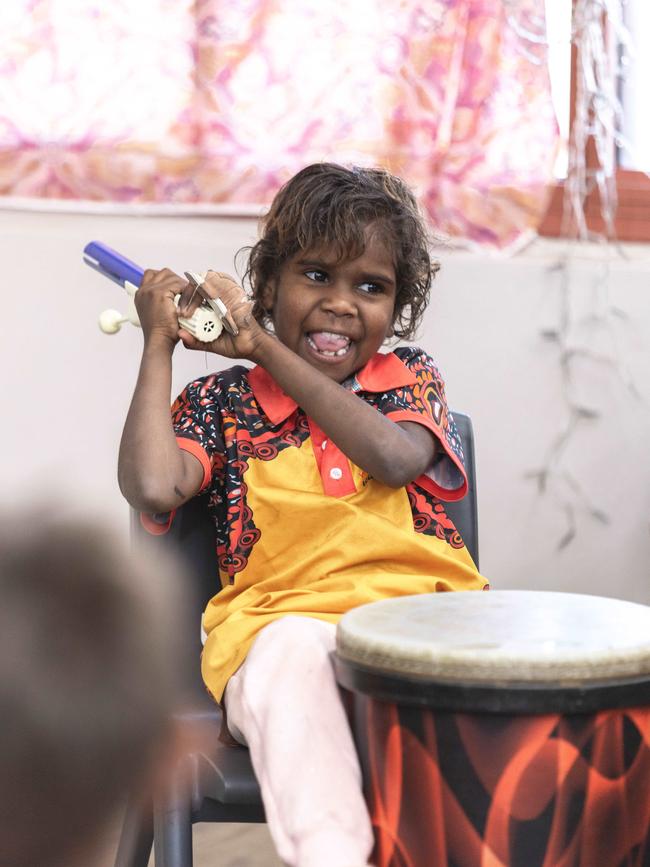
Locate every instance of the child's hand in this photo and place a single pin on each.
(154, 302)
(224, 287)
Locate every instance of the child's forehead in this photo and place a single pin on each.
(372, 247)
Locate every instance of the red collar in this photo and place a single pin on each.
(383, 372)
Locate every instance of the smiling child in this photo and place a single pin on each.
(325, 467)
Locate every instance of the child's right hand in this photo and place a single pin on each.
(154, 302)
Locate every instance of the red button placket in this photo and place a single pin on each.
(333, 465)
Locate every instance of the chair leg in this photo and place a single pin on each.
(173, 825)
(136, 837)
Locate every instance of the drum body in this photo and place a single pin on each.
(536, 755)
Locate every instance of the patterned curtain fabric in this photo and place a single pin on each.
(220, 101)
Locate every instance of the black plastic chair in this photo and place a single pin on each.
(219, 785)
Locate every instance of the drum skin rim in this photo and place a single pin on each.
(498, 697)
(500, 637)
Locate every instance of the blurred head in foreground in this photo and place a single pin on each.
(88, 682)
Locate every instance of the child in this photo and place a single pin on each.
(89, 680)
(324, 466)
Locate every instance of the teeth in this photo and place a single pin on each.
(333, 334)
(328, 352)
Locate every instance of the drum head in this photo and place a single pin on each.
(550, 651)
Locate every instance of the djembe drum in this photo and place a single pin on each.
(502, 729)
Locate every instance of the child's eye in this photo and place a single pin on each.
(316, 275)
(371, 288)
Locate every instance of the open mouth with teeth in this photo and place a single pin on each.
(328, 344)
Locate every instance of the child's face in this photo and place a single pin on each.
(335, 315)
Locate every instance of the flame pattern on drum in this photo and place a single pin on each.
(496, 790)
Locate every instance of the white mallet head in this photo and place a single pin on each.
(110, 321)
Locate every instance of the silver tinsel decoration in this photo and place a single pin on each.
(603, 51)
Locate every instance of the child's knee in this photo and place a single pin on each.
(291, 645)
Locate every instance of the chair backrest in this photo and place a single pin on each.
(191, 539)
(191, 535)
(464, 513)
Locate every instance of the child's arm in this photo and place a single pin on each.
(393, 453)
(154, 474)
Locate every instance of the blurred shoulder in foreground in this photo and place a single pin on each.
(90, 676)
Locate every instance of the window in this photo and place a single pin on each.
(632, 152)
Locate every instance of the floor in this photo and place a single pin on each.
(219, 845)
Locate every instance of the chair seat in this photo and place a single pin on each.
(223, 772)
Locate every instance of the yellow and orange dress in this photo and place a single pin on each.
(299, 528)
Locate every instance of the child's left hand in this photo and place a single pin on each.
(224, 287)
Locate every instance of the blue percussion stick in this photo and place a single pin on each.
(112, 264)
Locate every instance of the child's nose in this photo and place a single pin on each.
(339, 300)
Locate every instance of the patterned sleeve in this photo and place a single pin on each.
(425, 402)
(196, 418)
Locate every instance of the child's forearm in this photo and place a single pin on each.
(154, 474)
(390, 453)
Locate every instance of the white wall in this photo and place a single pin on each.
(66, 387)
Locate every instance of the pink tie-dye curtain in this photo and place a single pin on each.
(220, 101)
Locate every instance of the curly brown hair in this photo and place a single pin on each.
(326, 204)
